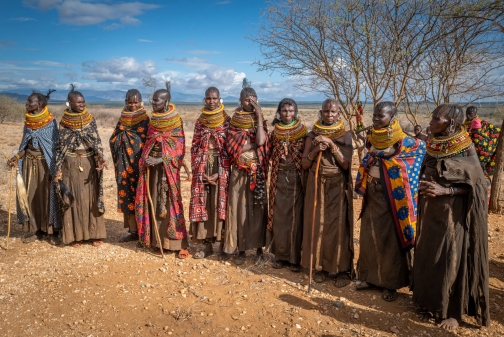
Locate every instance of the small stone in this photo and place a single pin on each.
(243, 328)
(298, 326)
(394, 329)
(339, 304)
(356, 316)
(166, 327)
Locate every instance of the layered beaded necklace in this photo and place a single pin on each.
(131, 118)
(77, 120)
(333, 131)
(288, 132)
(384, 138)
(449, 146)
(213, 119)
(244, 120)
(167, 120)
(39, 120)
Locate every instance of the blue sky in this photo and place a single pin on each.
(111, 44)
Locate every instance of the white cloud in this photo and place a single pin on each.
(84, 13)
(52, 64)
(21, 19)
(6, 43)
(144, 40)
(124, 69)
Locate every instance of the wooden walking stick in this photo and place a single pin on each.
(156, 229)
(10, 203)
(315, 191)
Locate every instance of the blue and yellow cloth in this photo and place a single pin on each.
(400, 174)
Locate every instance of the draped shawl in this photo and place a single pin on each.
(485, 137)
(295, 148)
(173, 149)
(237, 138)
(400, 174)
(126, 145)
(71, 139)
(46, 139)
(199, 157)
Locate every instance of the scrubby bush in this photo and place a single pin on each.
(11, 110)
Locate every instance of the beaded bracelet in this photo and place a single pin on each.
(18, 156)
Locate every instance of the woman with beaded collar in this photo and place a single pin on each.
(247, 147)
(388, 181)
(159, 179)
(285, 211)
(450, 277)
(79, 164)
(333, 240)
(210, 179)
(126, 145)
(35, 161)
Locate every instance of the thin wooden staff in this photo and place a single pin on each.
(156, 229)
(10, 203)
(315, 190)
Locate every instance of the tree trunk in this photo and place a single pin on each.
(494, 206)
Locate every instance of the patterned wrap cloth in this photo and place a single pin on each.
(45, 138)
(485, 137)
(400, 174)
(126, 144)
(71, 139)
(280, 150)
(199, 157)
(237, 138)
(173, 149)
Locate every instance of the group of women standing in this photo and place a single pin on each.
(428, 197)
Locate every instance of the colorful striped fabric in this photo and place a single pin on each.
(400, 174)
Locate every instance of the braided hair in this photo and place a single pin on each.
(247, 90)
(285, 101)
(387, 105)
(212, 89)
(451, 111)
(133, 93)
(43, 99)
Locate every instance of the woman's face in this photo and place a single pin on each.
(159, 102)
(134, 103)
(439, 123)
(287, 113)
(329, 113)
(212, 100)
(77, 103)
(470, 115)
(32, 104)
(381, 118)
(246, 103)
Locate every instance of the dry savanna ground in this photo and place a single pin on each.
(121, 290)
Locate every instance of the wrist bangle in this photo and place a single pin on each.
(308, 157)
(18, 156)
(452, 191)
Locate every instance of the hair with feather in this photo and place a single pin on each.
(43, 99)
(73, 93)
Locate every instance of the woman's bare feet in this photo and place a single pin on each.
(449, 324)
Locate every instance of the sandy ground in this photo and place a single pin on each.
(121, 290)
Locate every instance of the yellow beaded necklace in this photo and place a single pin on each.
(386, 137)
(38, 121)
(167, 120)
(244, 120)
(333, 131)
(440, 147)
(292, 132)
(131, 118)
(76, 120)
(213, 119)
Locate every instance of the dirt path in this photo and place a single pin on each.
(120, 290)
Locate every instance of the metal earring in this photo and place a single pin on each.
(221, 101)
(67, 104)
(277, 116)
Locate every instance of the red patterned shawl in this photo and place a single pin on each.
(173, 150)
(296, 148)
(199, 157)
(237, 137)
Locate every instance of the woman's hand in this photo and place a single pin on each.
(151, 161)
(320, 147)
(210, 180)
(13, 161)
(322, 139)
(101, 164)
(432, 189)
(57, 177)
(257, 108)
